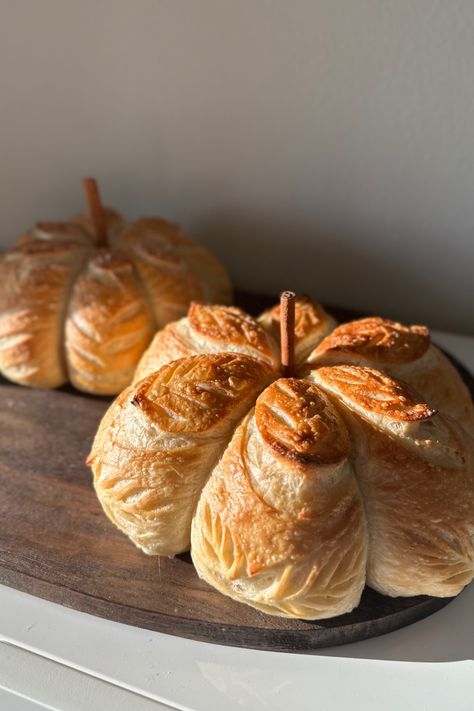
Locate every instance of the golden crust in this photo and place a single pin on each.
(312, 324)
(197, 398)
(108, 326)
(231, 325)
(287, 539)
(294, 419)
(52, 233)
(373, 392)
(436, 378)
(415, 469)
(377, 340)
(418, 491)
(208, 329)
(405, 353)
(174, 269)
(159, 441)
(35, 281)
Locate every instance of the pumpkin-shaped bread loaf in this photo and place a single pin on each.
(80, 301)
(292, 492)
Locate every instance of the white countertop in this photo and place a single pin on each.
(58, 658)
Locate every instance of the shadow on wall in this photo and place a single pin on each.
(267, 255)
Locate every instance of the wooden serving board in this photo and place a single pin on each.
(56, 543)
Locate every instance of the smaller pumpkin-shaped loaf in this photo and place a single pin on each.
(292, 493)
(81, 300)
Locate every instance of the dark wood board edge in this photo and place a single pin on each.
(274, 640)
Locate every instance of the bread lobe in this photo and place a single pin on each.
(108, 326)
(283, 532)
(160, 439)
(415, 469)
(36, 280)
(208, 329)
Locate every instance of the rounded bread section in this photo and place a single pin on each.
(160, 439)
(160, 253)
(405, 353)
(108, 326)
(36, 280)
(372, 341)
(415, 469)
(208, 329)
(280, 523)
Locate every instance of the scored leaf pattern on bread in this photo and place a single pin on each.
(287, 560)
(374, 339)
(159, 441)
(208, 329)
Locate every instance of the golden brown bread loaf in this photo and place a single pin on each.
(331, 480)
(160, 440)
(70, 309)
(406, 353)
(208, 329)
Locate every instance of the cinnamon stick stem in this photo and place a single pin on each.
(287, 333)
(96, 210)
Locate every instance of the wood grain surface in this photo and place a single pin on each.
(56, 543)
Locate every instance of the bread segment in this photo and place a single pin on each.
(208, 329)
(405, 353)
(280, 523)
(36, 279)
(415, 469)
(160, 439)
(108, 326)
(171, 268)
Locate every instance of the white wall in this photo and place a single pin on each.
(323, 145)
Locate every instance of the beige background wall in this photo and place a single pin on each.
(324, 145)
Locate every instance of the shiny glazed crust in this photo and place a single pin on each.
(145, 278)
(415, 469)
(280, 523)
(208, 329)
(160, 439)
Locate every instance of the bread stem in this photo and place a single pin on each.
(287, 333)
(96, 210)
